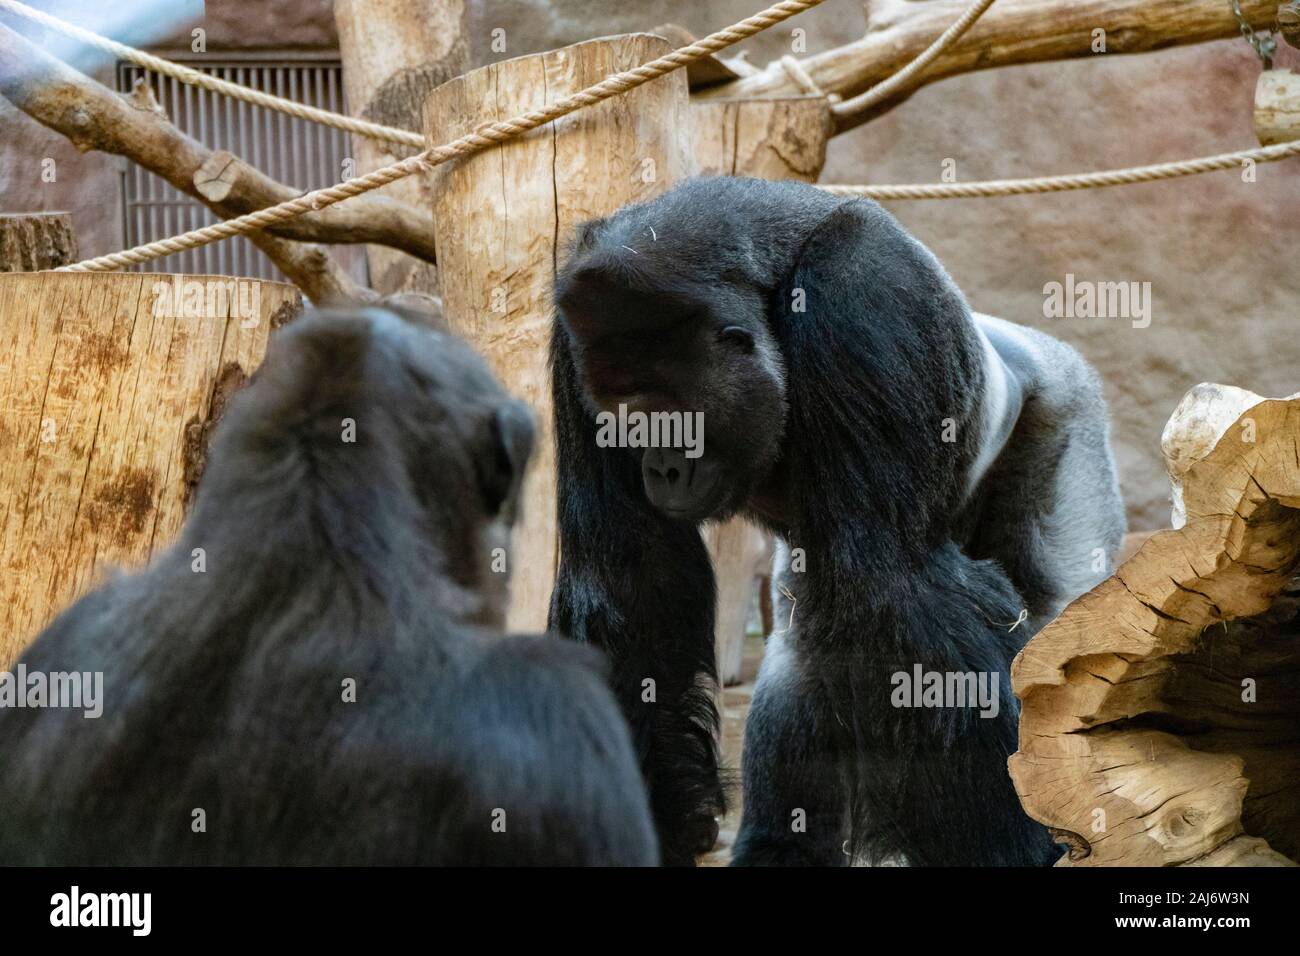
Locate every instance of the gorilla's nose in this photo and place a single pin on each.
(665, 467)
(674, 483)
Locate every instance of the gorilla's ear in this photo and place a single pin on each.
(586, 238)
(511, 431)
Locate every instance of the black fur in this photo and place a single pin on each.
(328, 560)
(829, 431)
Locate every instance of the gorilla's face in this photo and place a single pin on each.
(694, 386)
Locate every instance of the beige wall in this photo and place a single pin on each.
(1220, 254)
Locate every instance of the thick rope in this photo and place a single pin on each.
(216, 85)
(1057, 184)
(904, 77)
(484, 137)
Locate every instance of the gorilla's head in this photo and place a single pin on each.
(383, 403)
(672, 323)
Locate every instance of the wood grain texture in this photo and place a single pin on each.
(30, 242)
(1137, 742)
(503, 218)
(1277, 107)
(96, 394)
(782, 138)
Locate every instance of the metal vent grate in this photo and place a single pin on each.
(290, 150)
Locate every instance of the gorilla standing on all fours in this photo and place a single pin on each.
(933, 474)
(314, 674)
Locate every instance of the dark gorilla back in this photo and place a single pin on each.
(315, 673)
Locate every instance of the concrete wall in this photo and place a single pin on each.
(1219, 253)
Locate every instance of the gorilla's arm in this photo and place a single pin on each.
(880, 358)
(639, 586)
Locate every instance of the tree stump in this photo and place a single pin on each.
(502, 219)
(107, 393)
(1160, 709)
(33, 241)
(777, 138)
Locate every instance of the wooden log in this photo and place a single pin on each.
(1159, 710)
(1277, 107)
(395, 53)
(502, 219)
(33, 241)
(1010, 32)
(107, 389)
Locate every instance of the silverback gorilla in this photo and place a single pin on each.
(937, 478)
(315, 674)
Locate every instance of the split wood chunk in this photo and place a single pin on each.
(33, 241)
(1160, 710)
(106, 396)
(503, 219)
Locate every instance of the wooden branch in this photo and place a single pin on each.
(1011, 32)
(93, 117)
(1159, 710)
(30, 242)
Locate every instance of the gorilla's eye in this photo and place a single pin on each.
(735, 336)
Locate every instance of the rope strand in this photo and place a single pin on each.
(1057, 184)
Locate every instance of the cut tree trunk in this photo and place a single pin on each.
(1160, 709)
(502, 219)
(33, 241)
(106, 398)
(395, 53)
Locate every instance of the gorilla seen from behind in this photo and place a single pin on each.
(313, 564)
(937, 478)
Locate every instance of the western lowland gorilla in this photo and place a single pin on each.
(315, 673)
(942, 483)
